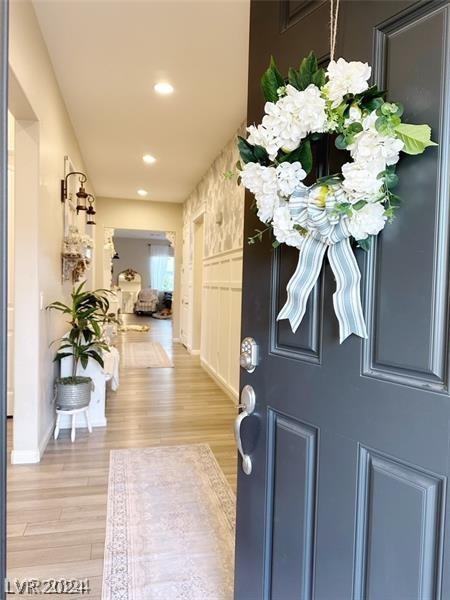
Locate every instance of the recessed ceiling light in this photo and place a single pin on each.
(142, 192)
(163, 88)
(149, 159)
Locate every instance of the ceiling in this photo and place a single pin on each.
(108, 54)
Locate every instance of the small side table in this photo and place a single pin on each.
(74, 414)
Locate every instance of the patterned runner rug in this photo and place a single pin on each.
(170, 526)
(144, 355)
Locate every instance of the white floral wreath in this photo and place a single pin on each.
(355, 203)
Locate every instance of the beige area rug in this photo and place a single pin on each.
(124, 328)
(170, 526)
(144, 355)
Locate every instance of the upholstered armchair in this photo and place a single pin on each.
(147, 301)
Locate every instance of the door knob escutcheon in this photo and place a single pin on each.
(248, 402)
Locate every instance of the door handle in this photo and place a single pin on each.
(248, 402)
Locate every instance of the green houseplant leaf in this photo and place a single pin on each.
(88, 310)
(415, 137)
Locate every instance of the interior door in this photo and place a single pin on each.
(347, 498)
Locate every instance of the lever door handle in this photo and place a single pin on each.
(248, 401)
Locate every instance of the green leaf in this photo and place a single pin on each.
(251, 153)
(382, 125)
(360, 204)
(415, 137)
(245, 150)
(302, 154)
(365, 244)
(390, 179)
(372, 104)
(319, 78)
(275, 244)
(260, 155)
(394, 200)
(307, 70)
(340, 142)
(293, 78)
(271, 81)
(61, 355)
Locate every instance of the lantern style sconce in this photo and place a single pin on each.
(81, 194)
(90, 212)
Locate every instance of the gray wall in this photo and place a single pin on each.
(134, 254)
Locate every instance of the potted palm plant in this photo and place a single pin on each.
(87, 312)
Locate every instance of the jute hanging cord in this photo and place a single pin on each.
(334, 14)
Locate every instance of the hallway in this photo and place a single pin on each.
(57, 509)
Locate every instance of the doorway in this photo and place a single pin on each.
(197, 284)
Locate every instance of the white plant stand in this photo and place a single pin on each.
(73, 414)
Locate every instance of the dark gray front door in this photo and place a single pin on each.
(347, 499)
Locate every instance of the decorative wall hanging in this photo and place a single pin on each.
(355, 203)
(129, 274)
(76, 255)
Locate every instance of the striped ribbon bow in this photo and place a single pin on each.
(326, 231)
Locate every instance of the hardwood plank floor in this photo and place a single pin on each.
(57, 509)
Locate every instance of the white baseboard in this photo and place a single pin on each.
(226, 387)
(24, 457)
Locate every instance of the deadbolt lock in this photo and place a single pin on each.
(249, 354)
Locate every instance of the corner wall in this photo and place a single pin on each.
(47, 135)
(117, 213)
(221, 201)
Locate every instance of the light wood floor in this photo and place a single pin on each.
(57, 509)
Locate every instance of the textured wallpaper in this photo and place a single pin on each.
(223, 200)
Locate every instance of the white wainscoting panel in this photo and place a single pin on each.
(221, 318)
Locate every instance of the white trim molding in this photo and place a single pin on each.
(221, 319)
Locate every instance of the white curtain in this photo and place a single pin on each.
(161, 261)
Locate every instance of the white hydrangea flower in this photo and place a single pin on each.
(369, 220)
(283, 227)
(260, 136)
(263, 183)
(346, 78)
(289, 120)
(370, 145)
(362, 177)
(307, 108)
(289, 175)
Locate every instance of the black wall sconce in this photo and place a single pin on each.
(81, 194)
(90, 212)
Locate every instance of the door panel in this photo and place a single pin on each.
(292, 463)
(305, 344)
(420, 356)
(399, 529)
(349, 443)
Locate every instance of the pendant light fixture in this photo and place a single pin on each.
(90, 212)
(81, 194)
